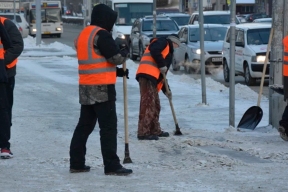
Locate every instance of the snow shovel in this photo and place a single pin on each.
(253, 115)
(127, 158)
(177, 131)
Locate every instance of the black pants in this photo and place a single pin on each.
(6, 104)
(105, 113)
(284, 120)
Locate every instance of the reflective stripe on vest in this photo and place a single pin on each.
(14, 62)
(148, 65)
(1, 50)
(93, 68)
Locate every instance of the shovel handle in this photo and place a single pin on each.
(265, 66)
(170, 100)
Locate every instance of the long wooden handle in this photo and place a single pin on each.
(170, 101)
(125, 103)
(265, 66)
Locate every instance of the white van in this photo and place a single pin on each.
(250, 51)
(20, 19)
(213, 17)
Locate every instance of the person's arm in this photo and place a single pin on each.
(108, 48)
(17, 42)
(156, 49)
(6, 41)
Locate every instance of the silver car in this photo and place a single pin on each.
(142, 33)
(188, 54)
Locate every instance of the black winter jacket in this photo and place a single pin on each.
(16, 48)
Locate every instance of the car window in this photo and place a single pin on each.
(210, 34)
(181, 20)
(161, 25)
(219, 19)
(240, 36)
(11, 17)
(258, 36)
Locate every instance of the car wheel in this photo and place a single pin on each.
(141, 50)
(226, 71)
(248, 79)
(187, 67)
(132, 57)
(175, 67)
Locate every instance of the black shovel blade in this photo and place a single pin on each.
(251, 118)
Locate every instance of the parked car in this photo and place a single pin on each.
(250, 51)
(188, 54)
(180, 18)
(212, 17)
(142, 32)
(20, 19)
(253, 16)
(263, 20)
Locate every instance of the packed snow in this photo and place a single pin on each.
(210, 156)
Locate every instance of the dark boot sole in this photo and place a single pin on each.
(283, 134)
(78, 171)
(6, 157)
(118, 174)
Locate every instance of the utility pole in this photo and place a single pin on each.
(154, 18)
(276, 101)
(232, 64)
(38, 22)
(202, 53)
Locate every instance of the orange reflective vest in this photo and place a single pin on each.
(13, 63)
(285, 67)
(93, 68)
(148, 65)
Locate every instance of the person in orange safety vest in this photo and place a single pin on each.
(283, 123)
(155, 61)
(98, 56)
(10, 60)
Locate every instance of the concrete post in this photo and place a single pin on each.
(276, 104)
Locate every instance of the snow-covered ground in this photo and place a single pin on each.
(210, 156)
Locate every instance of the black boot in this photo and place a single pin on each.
(283, 130)
(79, 170)
(163, 134)
(148, 137)
(120, 172)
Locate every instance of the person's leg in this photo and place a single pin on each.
(10, 95)
(4, 123)
(283, 125)
(107, 118)
(84, 128)
(157, 130)
(147, 112)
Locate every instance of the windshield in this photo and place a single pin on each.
(210, 34)
(129, 12)
(182, 20)
(47, 15)
(11, 17)
(219, 19)
(161, 25)
(258, 36)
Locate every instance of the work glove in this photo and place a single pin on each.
(121, 73)
(163, 69)
(3, 73)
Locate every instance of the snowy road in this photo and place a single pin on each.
(209, 157)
